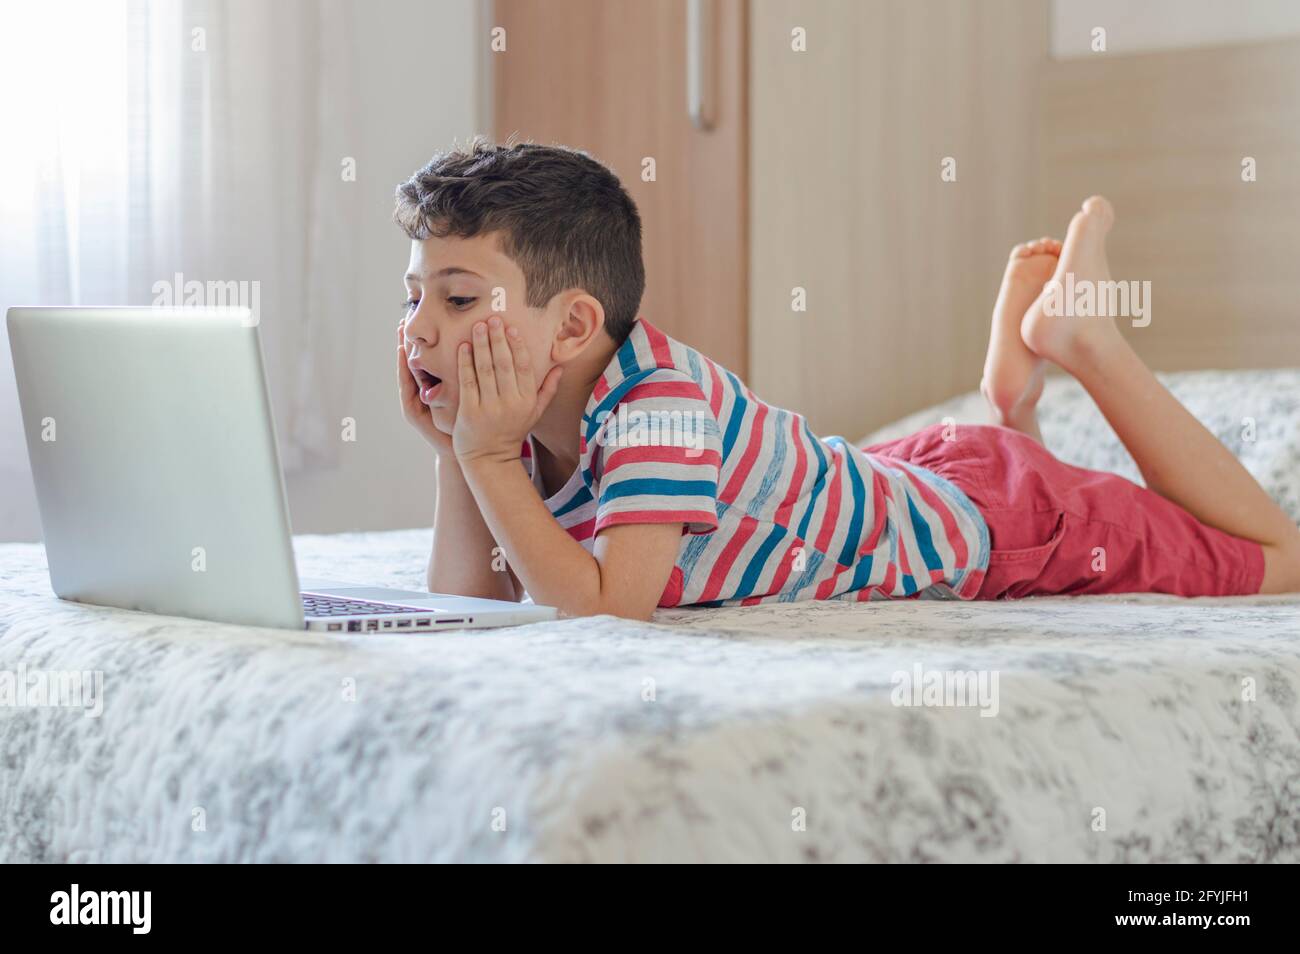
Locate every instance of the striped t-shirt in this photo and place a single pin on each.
(768, 510)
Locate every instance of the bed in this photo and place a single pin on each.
(1121, 729)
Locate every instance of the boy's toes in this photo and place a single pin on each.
(1100, 209)
(1043, 246)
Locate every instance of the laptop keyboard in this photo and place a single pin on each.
(315, 605)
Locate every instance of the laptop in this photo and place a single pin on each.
(154, 456)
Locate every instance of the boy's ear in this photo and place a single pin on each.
(583, 320)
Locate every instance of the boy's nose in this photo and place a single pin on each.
(419, 330)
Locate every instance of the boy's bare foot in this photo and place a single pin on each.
(1063, 339)
(1013, 374)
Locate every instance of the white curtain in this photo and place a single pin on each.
(143, 139)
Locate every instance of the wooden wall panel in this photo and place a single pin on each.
(1163, 136)
(901, 268)
(608, 76)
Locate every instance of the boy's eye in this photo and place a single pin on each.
(460, 301)
(409, 305)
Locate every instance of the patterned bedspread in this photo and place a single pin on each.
(1093, 729)
(1086, 729)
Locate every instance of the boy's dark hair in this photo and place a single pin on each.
(564, 218)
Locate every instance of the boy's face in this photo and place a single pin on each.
(452, 283)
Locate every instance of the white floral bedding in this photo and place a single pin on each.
(1126, 729)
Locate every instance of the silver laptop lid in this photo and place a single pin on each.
(154, 457)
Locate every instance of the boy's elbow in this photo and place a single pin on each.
(625, 609)
(473, 590)
(640, 615)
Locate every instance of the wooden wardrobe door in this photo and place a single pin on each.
(610, 77)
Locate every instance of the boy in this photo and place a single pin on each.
(653, 477)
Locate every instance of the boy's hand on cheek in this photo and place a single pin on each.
(500, 400)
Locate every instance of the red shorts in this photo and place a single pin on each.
(1058, 529)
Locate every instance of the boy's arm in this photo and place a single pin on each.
(625, 577)
(463, 560)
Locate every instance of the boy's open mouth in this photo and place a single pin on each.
(429, 384)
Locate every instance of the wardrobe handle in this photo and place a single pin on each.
(699, 42)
